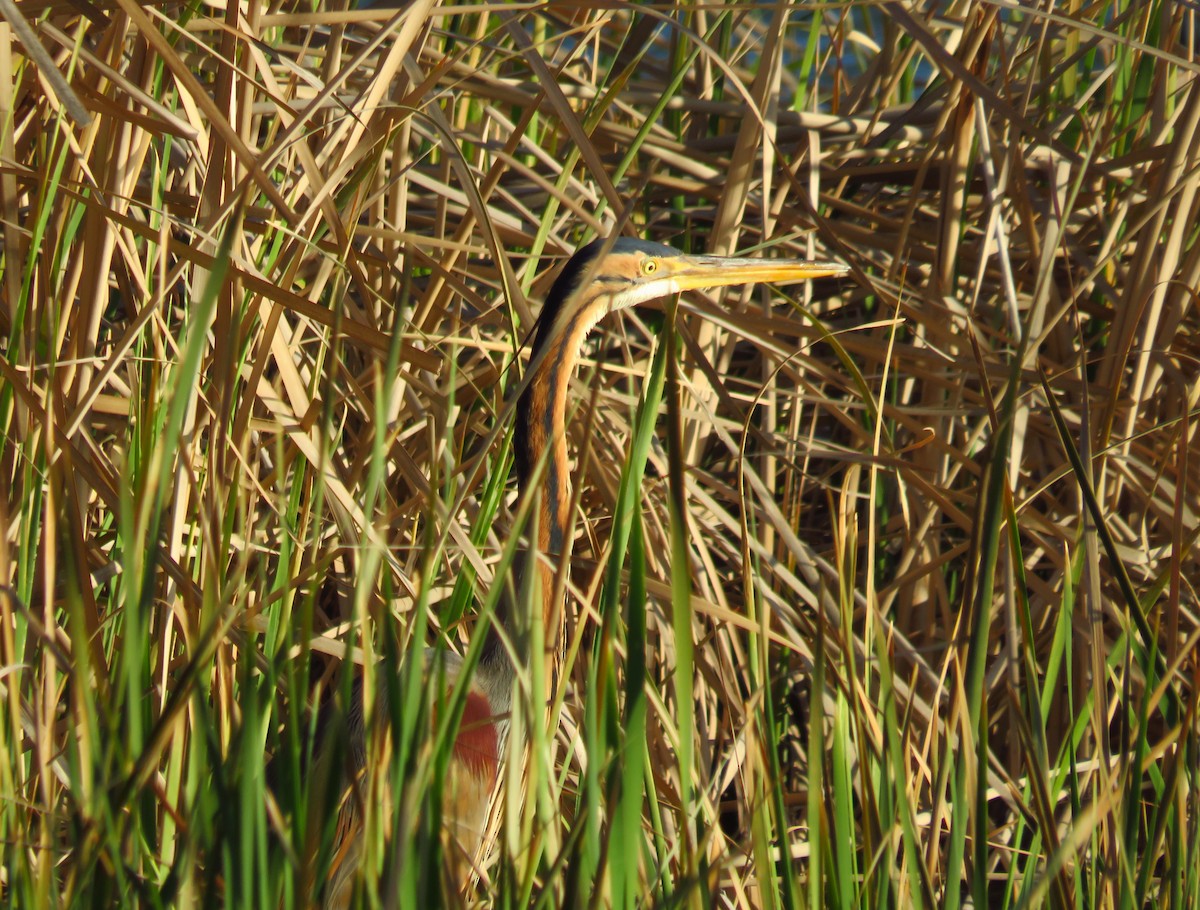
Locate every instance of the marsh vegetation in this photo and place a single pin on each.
(925, 627)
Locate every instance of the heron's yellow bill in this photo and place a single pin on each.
(694, 272)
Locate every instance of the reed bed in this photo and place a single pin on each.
(883, 590)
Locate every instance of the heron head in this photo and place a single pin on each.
(606, 276)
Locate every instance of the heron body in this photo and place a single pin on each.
(601, 278)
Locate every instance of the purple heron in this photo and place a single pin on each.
(601, 278)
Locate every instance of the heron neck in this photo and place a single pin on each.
(539, 437)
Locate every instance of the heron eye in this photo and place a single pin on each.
(649, 267)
